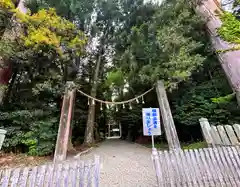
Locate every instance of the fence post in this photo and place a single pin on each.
(168, 123)
(65, 123)
(2, 137)
(96, 173)
(237, 130)
(206, 131)
(156, 163)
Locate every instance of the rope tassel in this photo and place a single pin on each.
(143, 100)
(130, 106)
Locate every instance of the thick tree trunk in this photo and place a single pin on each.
(5, 66)
(230, 61)
(89, 132)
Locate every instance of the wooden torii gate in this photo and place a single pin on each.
(65, 130)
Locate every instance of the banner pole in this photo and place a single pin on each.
(153, 141)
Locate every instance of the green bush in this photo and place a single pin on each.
(30, 132)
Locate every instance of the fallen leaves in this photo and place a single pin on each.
(10, 160)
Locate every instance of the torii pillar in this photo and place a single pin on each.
(229, 59)
(168, 123)
(65, 129)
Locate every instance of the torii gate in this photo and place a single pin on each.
(65, 130)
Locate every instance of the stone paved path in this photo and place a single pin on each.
(124, 164)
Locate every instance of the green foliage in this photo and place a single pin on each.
(115, 78)
(30, 131)
(229, 30)
(166, 44)
(6, 7)
(207, 98)
(45, 29)
(225, 99)
(7, 4)
(6, 48)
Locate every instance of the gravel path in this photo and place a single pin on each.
(124, 164)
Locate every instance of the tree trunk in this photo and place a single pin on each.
(97, 133)
(89, 132)
(5, 66)
(10, 86)
(230, 61)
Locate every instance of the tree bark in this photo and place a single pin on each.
(5, 65)
(97, 133)
(230, 61)
(10, 86)
(89, 132)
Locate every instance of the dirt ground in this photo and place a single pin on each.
(10, 160)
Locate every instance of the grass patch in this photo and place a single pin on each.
(195, 145)
(164, 146)
(161, 145)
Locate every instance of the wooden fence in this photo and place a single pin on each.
(221, 135)
(69, 173)
(218, 166)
